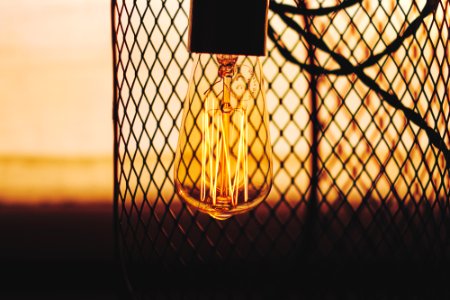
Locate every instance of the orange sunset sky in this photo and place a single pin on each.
(56, 101)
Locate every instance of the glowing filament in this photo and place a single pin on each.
(223, 165)
(224, 158)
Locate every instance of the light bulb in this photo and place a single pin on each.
(223, 164)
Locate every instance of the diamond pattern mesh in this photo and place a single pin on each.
(359, 100)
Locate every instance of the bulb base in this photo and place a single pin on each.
(228, 27)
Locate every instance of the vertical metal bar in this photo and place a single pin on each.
(315, 130)
(125, 287)
(306, 246)
(115, 130)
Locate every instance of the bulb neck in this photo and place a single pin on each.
(227, 65)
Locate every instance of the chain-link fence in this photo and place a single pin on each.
(359, 106)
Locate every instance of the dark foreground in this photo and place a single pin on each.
(67, 252)
(57, 252)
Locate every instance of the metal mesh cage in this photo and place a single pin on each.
(359, 105)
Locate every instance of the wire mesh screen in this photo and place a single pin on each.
(359, 106)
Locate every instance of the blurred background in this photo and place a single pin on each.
(56, 163)
(56, 95)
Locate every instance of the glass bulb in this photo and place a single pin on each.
(223, 163)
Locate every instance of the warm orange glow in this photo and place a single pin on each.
(56, 98)
(367, 148)
(219, 171)
(223, 164)
(56, 101)
(41, 180)
(365, 143)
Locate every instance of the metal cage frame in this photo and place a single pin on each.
(346, 190)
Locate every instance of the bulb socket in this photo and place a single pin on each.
(228, 27)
